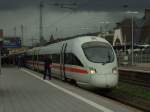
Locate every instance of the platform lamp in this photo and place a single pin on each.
(132, 44)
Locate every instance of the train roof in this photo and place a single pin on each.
(76, 37)
(79, 39)
(72, 37)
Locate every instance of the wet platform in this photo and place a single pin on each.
(22, 90)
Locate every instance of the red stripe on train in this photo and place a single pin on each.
(67, 69)
(72, 69)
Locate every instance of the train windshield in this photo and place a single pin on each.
(98, 52)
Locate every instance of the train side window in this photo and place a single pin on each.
(41, 57)
(34, 57)
(70, 58)
(29, 57)
(76, 61)
(55, 58)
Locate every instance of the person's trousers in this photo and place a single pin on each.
(47, 72)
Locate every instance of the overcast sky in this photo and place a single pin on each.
(87, 16)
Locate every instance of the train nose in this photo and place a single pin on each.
(104, 81)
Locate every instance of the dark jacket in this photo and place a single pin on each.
(47, 62)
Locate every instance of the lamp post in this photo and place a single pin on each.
(132, 30)
(41, 38)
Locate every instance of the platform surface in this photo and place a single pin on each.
(21, 91)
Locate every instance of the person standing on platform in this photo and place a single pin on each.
(19, 61)
(23, 61)
(47, 67)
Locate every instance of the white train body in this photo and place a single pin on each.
(88, 60)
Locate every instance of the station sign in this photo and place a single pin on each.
(12, 42)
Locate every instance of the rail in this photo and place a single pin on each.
(135, 77)
(133, 84)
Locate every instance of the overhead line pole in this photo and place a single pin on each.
(61, 5)
(41, 22)
(22, 32)
(132, 34)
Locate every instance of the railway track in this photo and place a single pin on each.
(135, 77)
(127, 99)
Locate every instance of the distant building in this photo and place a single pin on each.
(147, 14)
(1, 38)
(4, 51)
(124, 31)
(118, 37)
(141, 30)
(145, 32)
(1, 33)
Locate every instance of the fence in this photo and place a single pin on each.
(139, 58)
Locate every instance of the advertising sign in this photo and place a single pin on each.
(12, 43)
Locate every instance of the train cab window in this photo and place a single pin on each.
(98, 52)
(41, 57)
(72, 59)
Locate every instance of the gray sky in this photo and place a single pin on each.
(86, 17)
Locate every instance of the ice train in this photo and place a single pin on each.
(88, 60)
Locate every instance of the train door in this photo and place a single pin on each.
(62, 62)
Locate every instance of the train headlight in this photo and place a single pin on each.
(92, 71)
(115, 70)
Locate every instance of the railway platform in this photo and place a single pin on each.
(137, 67)
(22, 90)
(136, 82)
